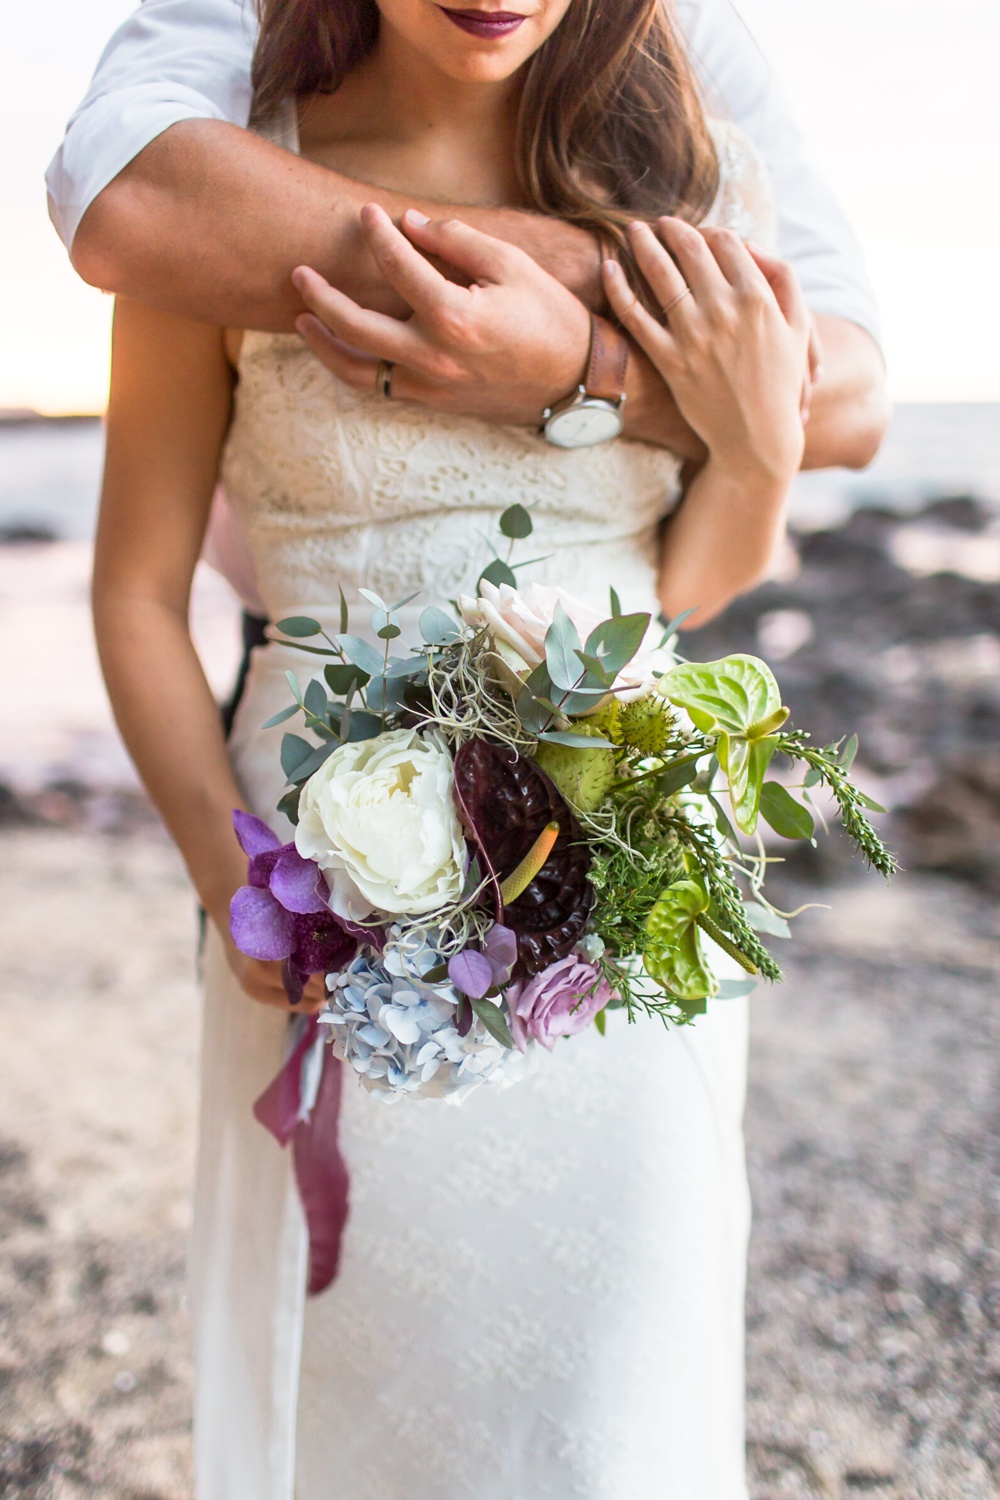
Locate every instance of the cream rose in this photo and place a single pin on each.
(379, 819)
(518, 621)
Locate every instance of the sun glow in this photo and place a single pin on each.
(911, 165)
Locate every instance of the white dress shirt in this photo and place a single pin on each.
(190, 59)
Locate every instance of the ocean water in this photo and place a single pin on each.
(50, 470)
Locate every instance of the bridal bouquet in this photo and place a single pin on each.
(531, 816)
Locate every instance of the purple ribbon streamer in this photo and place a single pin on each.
(320, 1171)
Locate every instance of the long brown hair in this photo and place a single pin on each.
(610, 126)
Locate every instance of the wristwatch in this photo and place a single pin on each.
(593, 412)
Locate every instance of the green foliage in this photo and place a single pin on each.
(829, 768)
(516, 523)
(780, 810)
(672, 951)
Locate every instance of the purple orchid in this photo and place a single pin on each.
(283, 912)
(475, 971)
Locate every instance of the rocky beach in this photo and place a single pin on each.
(874, 1294)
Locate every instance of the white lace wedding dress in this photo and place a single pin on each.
(541, 1290)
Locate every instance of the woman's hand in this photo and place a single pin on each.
(503, 348)
(734, 346)
(259, 980)
(262, 982)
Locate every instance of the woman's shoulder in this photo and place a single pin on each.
(745, 200)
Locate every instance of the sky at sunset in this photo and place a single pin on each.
(896, 97)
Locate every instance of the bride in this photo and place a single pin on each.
(541, 1292)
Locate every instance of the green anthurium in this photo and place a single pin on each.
(673, 955)
(734, 694)
(745, 763)
(738, 698)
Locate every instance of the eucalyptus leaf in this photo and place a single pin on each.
(344, 614)
(616, 641)
(812, 777)
(616, 609)
(316, 650)
(671, 627)
(516, 523)
(361, 653)
(295, 751)
(340, 679)
(375, 599)
(576, 741)
(362, 726)
(289, 804)
(533, 714)
(436, 627)
(293, 683)
(762, 919)
(313, 762)
(596, 669)
(315, 699)
(497, 573)
(286, 713)
(870, 803)
(493, 1019)
(786, 816)
(299, 625)
(388, 632)
(386, 694)
(562, 642)
(401, 603)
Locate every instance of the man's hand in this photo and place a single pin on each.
(502, 348)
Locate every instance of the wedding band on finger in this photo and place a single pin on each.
(383, 377)
(679, 298)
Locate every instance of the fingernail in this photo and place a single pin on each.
(302, 324)
(415, 216)
(610, 267)
(819, 371)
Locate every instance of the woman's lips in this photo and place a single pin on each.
(485, 23)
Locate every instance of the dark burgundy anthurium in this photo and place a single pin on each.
(505, 801)
(283, 912)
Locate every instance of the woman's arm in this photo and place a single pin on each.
(168, 414)
(734, 349)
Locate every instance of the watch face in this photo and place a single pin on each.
(583, 425)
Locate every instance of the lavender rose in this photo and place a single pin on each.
(560, 1001)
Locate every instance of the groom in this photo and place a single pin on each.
(161, 195)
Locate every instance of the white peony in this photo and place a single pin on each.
(379, 819)
(518, 621)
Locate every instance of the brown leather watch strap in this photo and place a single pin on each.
(608, 361)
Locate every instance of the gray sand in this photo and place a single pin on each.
(873, 1353)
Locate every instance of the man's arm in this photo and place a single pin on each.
(209, 220)
(162, 196)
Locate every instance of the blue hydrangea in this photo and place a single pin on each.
(397, 1029)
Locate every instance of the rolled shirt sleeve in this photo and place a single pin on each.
(171, 60)
(176, 60)
(813, 231)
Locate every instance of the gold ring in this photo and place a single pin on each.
(383, 377)
(679, 298)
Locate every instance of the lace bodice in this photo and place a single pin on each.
(340, 486)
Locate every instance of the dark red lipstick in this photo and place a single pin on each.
(490, 24)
